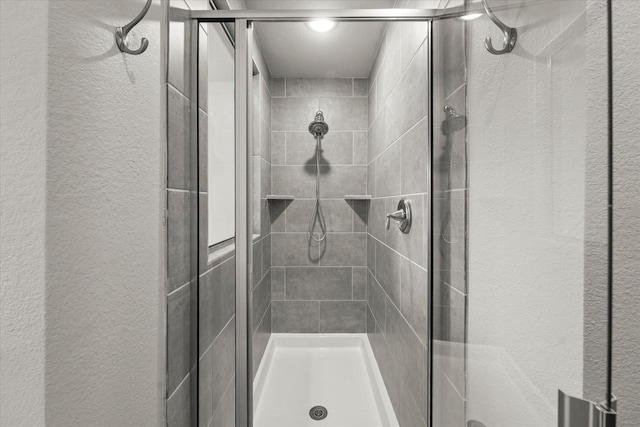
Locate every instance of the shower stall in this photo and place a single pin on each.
(399, 222)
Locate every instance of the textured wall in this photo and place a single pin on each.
(104, 296)
(23, 130)
(527, 170)
(626, 348)
(398, 166)
(318, 287)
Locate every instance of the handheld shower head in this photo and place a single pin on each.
(454, 122)
(318, 127)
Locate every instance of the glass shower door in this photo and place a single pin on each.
(520, 215)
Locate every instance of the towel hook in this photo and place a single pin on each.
(123, 32)
(510, 34)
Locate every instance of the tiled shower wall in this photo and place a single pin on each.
(398, 167)
(261, 174)
(319, 287)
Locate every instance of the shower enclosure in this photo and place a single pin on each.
(445, 214)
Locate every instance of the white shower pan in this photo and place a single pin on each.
(336, 371)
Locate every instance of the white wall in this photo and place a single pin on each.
(527, 152)
(105, 199)
(82, 202)
(626, 78)
(23, 130)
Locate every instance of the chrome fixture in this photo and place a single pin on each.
(453, 121)
(123, 32)
(510, 34)
(318, 413)
(577, 412)
(402, 215)
(318, 128)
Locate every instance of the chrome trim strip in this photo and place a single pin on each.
(243, 236)
(194, 227)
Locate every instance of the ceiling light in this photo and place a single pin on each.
(471, 16)
(321, 25)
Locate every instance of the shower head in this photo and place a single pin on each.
(453, 122)
(318, 127)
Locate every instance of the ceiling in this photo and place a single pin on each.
(292, 50)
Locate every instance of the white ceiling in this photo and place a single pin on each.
(292, 50)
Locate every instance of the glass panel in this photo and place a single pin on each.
(217, 281)
(520, 223)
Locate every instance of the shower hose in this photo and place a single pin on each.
(316, 213)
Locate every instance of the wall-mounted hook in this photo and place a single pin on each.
(123, 32)
(510, 34)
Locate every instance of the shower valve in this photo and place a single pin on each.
(402, 215)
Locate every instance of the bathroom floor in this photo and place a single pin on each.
(336, 371)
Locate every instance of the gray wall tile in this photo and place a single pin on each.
(414, 161)
(337, 148)
(337, 214)
(277, 87)
(414, 303)
(376, 298)
(218, 364)
(347, 249)
(261, 339)
(371, 253)
(359, 283)
(360, 212)
(179, 57)
(277, 214)
(343, 316)
(344, 113)
(217, 301)
(295, 316)
(178, 140)
(225, 415)
(293, 249)
(179, 406)
(360, 87)
(338, 181)
(178, 239)
(178, 343)
(278, 148)
(318, 283)
(293, 180)
(388, 265)
(389, 172)
(360, 148)
(377, 133)
(408, 102)
(261, 299)
(290, 113)
(319, 87)
(277, 283)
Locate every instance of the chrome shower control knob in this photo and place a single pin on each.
(402, 216)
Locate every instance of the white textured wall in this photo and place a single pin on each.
(626, 78)
(23, 129)
(104, 239)
(527, 148)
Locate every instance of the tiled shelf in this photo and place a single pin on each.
(279, 197)
(357, 197)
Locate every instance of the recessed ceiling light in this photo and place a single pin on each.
(471, 16)
(321, 25)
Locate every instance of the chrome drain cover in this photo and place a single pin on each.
(318, 413)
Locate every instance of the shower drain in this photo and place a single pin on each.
(318, 413)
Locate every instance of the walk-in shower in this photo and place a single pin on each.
(318, 128)
(315, 294)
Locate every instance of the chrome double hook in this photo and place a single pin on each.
(123, 32)
(510, 34)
